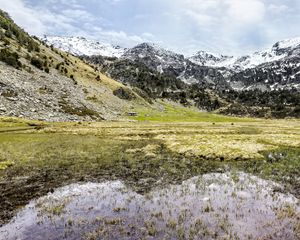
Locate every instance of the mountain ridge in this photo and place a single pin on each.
(229, 71)
(205, 58)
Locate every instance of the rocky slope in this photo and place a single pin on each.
(40, 82)
(280, 74)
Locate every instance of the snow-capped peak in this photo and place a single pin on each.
(164, 58)
(154, 52)
(287, 43)
(212, 59)
(209, 55)
(151, 48)
(278, 51)
(82, 46)
(155, 57)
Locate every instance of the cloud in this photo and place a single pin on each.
(246, 12)
(74, 20)
(278, 9)
(118, 38)
(201, 18)
(77, 14)
(186, 26)
(23, 16)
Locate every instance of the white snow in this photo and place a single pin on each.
(289, 43)
(244, 62)
(82, 46)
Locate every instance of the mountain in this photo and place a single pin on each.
(81, 46)
(155, 57)
(271, 69)
(278, 68)
(278, 51)
(204, 58)
(174, 65)
(41, 82)
(262, 89)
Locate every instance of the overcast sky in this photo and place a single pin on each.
(186, 26)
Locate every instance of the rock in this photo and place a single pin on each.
(12, 99)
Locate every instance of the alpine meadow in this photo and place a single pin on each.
(117, 121)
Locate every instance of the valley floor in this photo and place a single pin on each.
(38, 157)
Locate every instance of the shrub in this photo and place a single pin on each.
(10, 58)
(123, 94)
(37, 62)
(8, 33)
(33, 46)
(58, 65)
(2, 36)
(6, 42)
(28, 57)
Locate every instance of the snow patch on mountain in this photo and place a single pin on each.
(289, 43)
(145, 50)
(278, 51)
(82, 46)
(155, 57)
(204, 58)
(273, 68)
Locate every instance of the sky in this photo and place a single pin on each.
(234, 27)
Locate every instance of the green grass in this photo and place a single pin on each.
(177, 113)
(13, 122)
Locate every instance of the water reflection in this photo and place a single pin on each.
(213, 206)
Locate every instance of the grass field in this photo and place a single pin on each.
(166, 111)
(36, 157)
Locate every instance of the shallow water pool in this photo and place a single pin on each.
(212, 206)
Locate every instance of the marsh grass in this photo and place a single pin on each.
(36, 160)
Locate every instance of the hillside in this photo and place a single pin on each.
(264, 91)
(41, 82)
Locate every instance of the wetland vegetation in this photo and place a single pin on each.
(145, 156)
